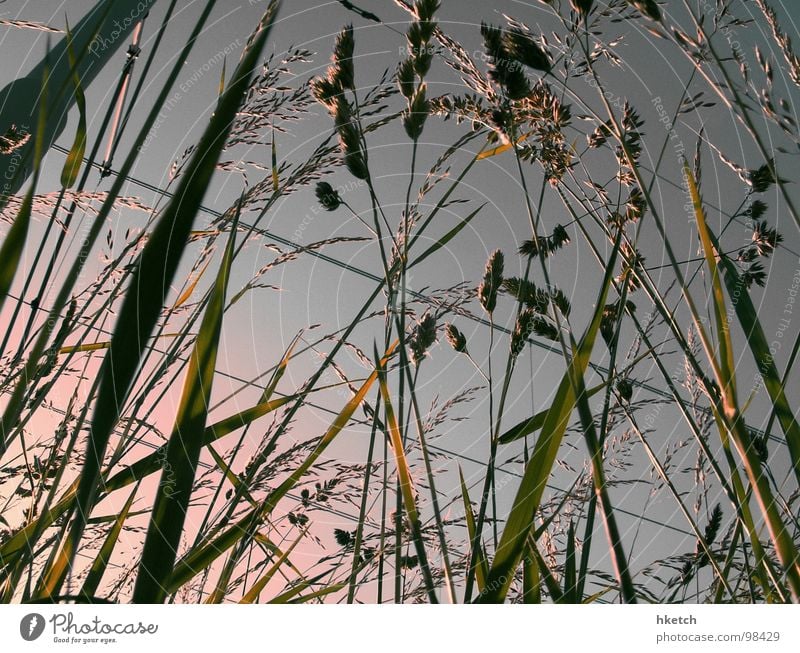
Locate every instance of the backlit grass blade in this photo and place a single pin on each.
(72, 165)
(482, 570)
(261, 583)
(406, 484)
(100, 564)
(549, 579)
(149, 285)
(289, 595)
(729, 416)
(187, 294)
(533, 424)
(537, 471)
(99, 346)
(14, 242)
(209, 550)
(183, 449)
(725, 346)
(747, 315)
(442, 242)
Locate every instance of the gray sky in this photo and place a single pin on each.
(317, 292)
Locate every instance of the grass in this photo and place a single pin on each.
(229, 496)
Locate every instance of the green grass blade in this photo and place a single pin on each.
(261, 583)
(747, 315)
(547, 576)
(730, 417)
(98, 568)
(72, 165)
(150, 283)
(183, 449)
(14, 242)
(406, 484)
(482, 569)
(207, 551)
(535, 423)
(725, 346)
(442, 242)
(537, 471)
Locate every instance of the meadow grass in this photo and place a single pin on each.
(220, 506)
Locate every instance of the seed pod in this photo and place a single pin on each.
(648, 7)
(583, 7)
(328, 196)
(422, 62)
(326, 91)
(492, 280)
(761, 178)
(349, 141)
(424, 9)
(457, 340)
(625, 390)
(423, 336)
(417, 113)
(522, 330)
(522, 48)
(405, 78)
(343, 58)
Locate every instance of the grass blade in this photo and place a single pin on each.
(150, 281)
(262, 582)
(183, 449)
(537, 471)
(207, 551)
(406, 484)
(482, 569)
(14, 242)
(72, 165)
(98, 568)
(446, 238)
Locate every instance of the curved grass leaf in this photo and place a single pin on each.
(98, 568)
(537, 471)
(183, 449)
(72, 165)
(261, 583)
(150, 281)
(207, 551)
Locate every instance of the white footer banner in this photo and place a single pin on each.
(411, 628)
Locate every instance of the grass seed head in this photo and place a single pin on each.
(492, 280)
(457, 340)
(327, 196)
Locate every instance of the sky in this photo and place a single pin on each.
(317, 292)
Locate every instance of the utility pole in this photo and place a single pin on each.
(98, 35)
